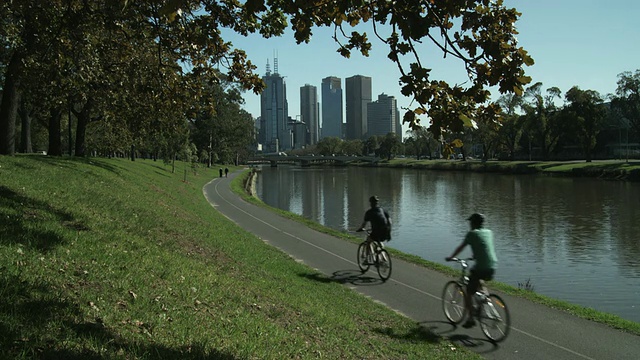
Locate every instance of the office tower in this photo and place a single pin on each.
(358, 95)
(382, 116)
(399, 122)
(275, 134)
(331, 107)
(300, 133)
(309, 111)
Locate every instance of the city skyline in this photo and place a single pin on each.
(574, 43)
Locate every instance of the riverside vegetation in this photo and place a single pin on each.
(109, 258)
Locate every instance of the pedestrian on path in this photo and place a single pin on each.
(226, 172)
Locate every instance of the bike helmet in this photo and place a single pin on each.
(476, 218)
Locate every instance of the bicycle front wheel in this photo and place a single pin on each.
(362, 257)
(495, 321)
(383, 263)
(453, 302)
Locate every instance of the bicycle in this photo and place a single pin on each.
(371, 252)
(489, 309)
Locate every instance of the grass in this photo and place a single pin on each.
(114, 259)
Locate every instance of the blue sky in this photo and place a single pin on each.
(584, 43)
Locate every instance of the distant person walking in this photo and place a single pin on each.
(220, 172)
(226, 172)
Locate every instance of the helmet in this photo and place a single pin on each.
(476, 218)
(373, 199)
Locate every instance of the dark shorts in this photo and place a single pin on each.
(475, 276)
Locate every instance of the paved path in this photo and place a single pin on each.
(537, 332)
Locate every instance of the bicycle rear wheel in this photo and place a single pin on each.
(362, 257)
(495, 321)
(383, 263)
(453, 302)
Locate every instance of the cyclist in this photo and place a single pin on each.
(481, 241)
(380, 221)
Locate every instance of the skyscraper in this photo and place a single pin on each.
(331, 107)
(382, 116)
(309, 111)
(275, 134)
(358, 95)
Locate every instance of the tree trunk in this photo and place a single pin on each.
(9, 106)
(55, 136)
(81, 131)
(25, 138)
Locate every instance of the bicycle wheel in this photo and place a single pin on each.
(362, 257)
(495, 321)
(383, 263)
(453, 302)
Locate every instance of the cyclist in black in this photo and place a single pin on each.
(380, 221)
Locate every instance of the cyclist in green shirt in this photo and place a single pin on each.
(481, 241)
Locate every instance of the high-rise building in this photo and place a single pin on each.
(382, 116)
(309, 111)
(331, 107)
(275, 134)
(358, 95)
(300, 133)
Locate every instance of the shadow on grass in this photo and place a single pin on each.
(23, 228)
(417, 334)
(70, 163)
(38, 324)
(354, 277)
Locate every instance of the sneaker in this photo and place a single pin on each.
(469, 324)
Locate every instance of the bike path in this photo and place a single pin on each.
(537, 332)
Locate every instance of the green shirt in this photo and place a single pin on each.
(481, 242)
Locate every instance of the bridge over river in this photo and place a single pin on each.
(308, 160)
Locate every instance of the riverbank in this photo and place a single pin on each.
(605, 169)
(109, 258)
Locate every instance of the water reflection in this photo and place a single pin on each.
(575, 239)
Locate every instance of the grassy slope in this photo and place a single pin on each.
(108, 258)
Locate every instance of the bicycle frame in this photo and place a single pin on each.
(488, 308)
(374, 254)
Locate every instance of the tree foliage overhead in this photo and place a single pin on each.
(480, 34)
(140, 64)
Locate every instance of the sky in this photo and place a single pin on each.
(584, 43)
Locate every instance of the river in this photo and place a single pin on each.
(573, 239)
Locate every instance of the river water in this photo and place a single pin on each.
(573, 239)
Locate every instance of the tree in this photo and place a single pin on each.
(510, 130)
(329, 146)
(586, 109)
(542, 118)
(186, 34)
(371, 146)
(352, 147)
(626, 101)
(389, 145)
(422, 141)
